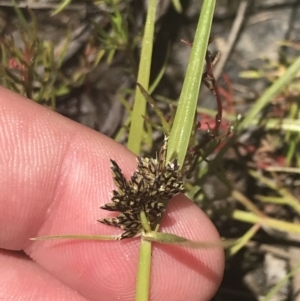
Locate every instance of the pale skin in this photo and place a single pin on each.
(55, 174)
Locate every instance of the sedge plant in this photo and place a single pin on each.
(142, 200)
(35, 72)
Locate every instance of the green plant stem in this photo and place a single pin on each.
(270, 93)
(184, 118)
(177, 5)
(172, 239)
(277, 287)
(135, 140)
(76, 236)
(144, 222)
(244, 239)
(139, 108)
(267, 96)
(144, 269)
(246, 202)
(286, 197)
(288, 200)
(251, 218)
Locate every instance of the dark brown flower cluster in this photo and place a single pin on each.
(153, 183)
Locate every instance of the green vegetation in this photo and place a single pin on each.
(36, 72)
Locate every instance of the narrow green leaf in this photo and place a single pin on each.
(76, 236)
(172, 239)
(157, 110)
(241, 242)
(139, 108)
(61, 7)
(276, 288)
(251, 218)
(177, 5)
(160, 74)
(19, 14)
(270, 93)
(184, 118)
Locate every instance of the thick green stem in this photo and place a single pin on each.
(135, 140)
(187, 104)
(143, 278)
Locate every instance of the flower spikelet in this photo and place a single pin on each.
(153, 183)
